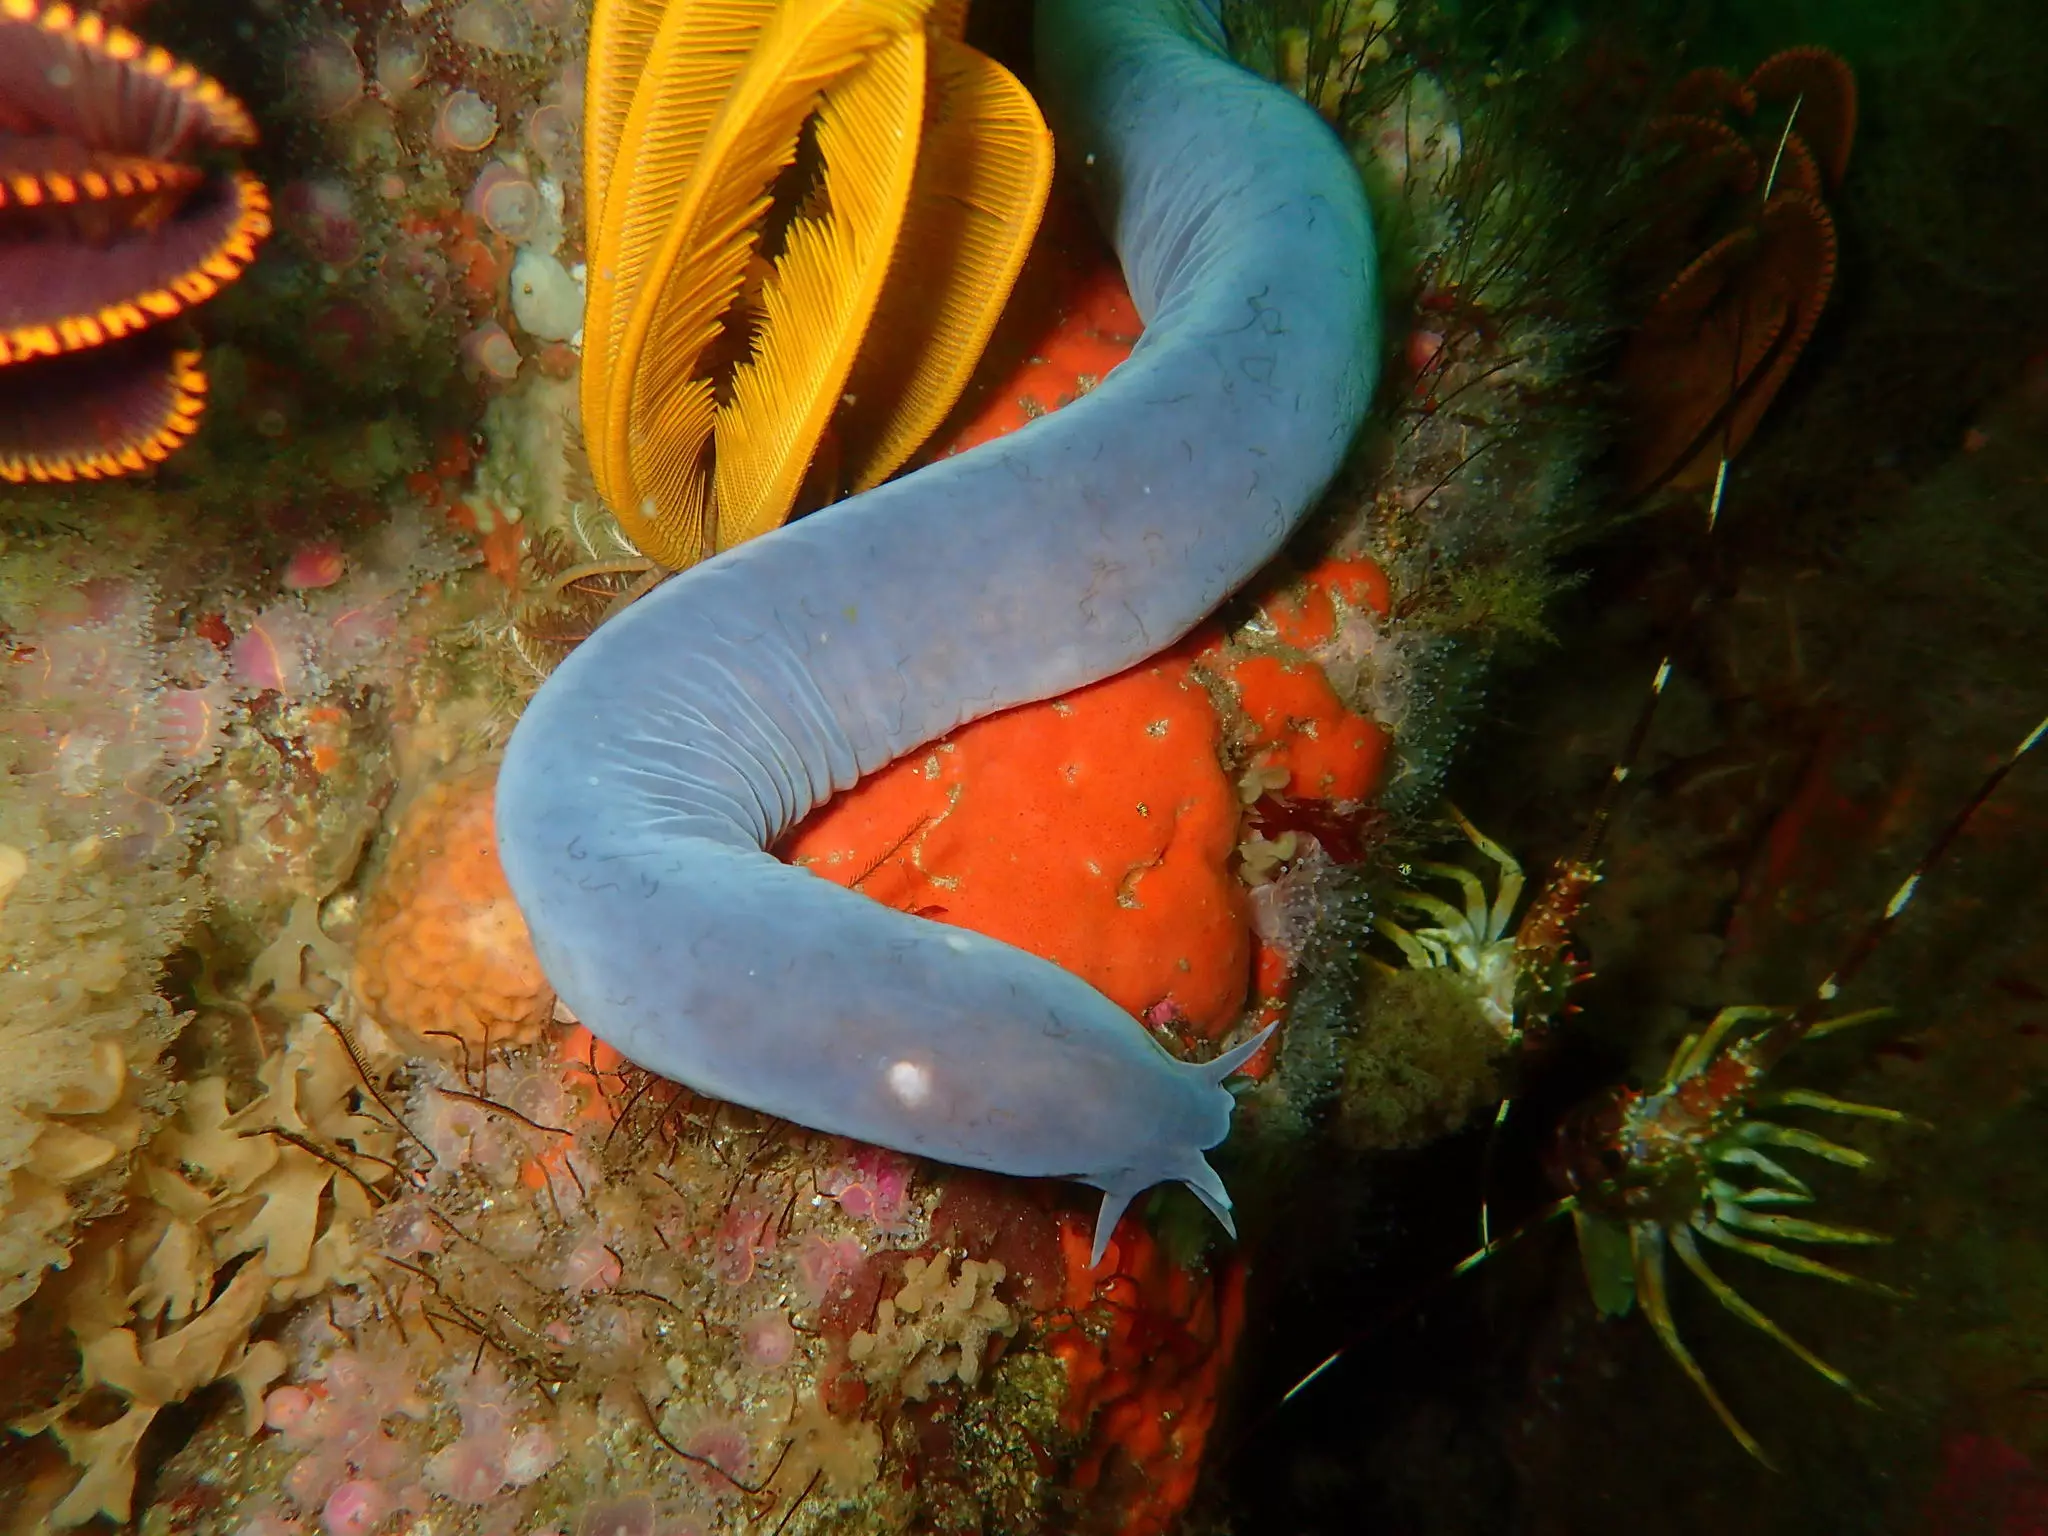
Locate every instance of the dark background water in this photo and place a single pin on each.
(1869, 637)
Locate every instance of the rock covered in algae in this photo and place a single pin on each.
(555, 1295)
(93, 846)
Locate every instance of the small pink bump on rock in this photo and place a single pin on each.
(466, 122)
(330, 79)
(721, 1456)
(567, 90)
(506, 201)
(590, 1266)
(632, 1515)
(493, 26)
(873, 1185)
(551, 134)
(768, 1341)
(530, 1452)
(355, 634)
(826, 1266)
(470, 1471)
(315, 565)
(401, 64)
(543, 1095)
(322, 218)
(743, 1236)
(287, 1408)
(488, 352)
(356, 1508)
(611, 1332)
(268, 657)
(1424, 347)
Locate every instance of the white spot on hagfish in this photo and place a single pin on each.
(911, 1082)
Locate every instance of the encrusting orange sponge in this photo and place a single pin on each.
(1303, 739)
(1095, 830)
(444, 954)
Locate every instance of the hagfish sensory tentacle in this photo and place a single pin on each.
(651, 772)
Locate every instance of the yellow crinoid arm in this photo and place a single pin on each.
(659, 72)
(621, 36)
(650, 439)
(982, 177)
(822, 293)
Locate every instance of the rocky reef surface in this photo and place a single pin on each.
(317, 1214)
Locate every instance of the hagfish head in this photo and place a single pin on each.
(1172, 1152)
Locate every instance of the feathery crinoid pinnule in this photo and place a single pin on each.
(107, 230)
(821, 207)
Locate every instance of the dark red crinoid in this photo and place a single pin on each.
(1751, 161)
(107, 230)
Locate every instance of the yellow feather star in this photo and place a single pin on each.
(803, 217)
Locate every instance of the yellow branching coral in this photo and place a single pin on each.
(936, 1329)
(824, 208)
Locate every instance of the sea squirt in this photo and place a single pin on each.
(656, 765)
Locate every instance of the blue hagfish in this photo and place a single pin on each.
(652, 771)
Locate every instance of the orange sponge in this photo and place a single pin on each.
(443, 950)
(1145, 1345)
(1312, 746)
(1095, 830)
(1307, 616)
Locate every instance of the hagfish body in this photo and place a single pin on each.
(662, 758)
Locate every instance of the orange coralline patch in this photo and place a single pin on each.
(1145, 1343)
(587, 1060)
(438, 484)
(500, 540)
(327, 738)
(1095, 830)
(444, 954)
